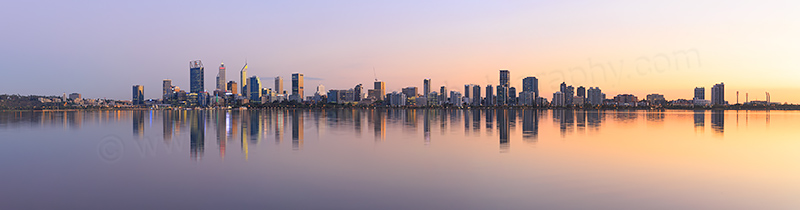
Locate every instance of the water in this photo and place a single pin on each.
(400, 159)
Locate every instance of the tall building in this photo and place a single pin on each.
(297, 87)
(568, 92)
(718, 94)
(489, 100)
(278, 85)
(558, 99)
(512, 96)
(138, 95)
(321, 89)
(411, 92)
(254, 88)
(581, 92)
(531, 84)
(233, 88)
(196, 81)
(380, 89)
(221, 77)
(443, 94)
(476, 95)
(243, 79)
(426, 87)
(466, 91)
(595, 96)
(502, 94)
(504, 75)
(166, 89)
(700, 93)
(358, 92)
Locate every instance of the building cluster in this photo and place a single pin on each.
(251, 90)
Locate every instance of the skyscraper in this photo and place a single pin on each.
(380, 87)
(489, 100)
(243, 79)
(221, 79)
(718, 94)
(254, 89)
(138, 95)
(166, 91)
(358, 92)
(196, 81)
(502, 95)
(595, 96)
(531, 84)
(278, 85)
(700, 93)
(443, 94)
(504, 75)
(476, 95)
(581, 92)
(233, 88)
(466, 90)
(426, 87)
(297, 87)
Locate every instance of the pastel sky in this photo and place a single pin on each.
(101, 48)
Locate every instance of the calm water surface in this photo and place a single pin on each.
(400, 159)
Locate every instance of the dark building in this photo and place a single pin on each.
(138, 95)
(718, 94)
(531, 84)
(581, 92)
(358, 92)
(700, 93)
(196, 75)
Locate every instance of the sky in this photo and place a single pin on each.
(101, 48)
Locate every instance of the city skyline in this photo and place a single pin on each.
(576, 43)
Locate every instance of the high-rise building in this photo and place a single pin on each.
(254, 88)
(196, 81)
(443, 94)
(411, 92)
(321, 89)
(512, 96)
(243, 79)
(595, 96)
(700, 93)
(718, 94)
(138, 95)
(502, 95)
(558, 99)
(358, 92)
(278, 85)
(426, 87)
(166, 89)
(489, 100)
(297, 87)
(233, 88)
(568, 92)
(380, 89)
(221, 79)
(467, 91)
(531, 84)
(581, 92)
(504, 75)
(476, 95)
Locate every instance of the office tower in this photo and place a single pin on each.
(700, 93)
(297, 87)
(443, 94)
(581, 92)
(357, 92)
(504, 75)
(138, 95)
(455, 98)
(397, 99)
(233, 88)
(243, 79)
(595, 96)
(512, 96)
(254, 88)
(166, 90)
(278, 85)
(558, 99)
(531, 84)
(489, 100)
(196, 82)
(426, 87)
(221, 77)
(467, 91)
(718, 94)
(380, 89)
(476, 95)
(411, 92)
(568, 92)
(502, 94)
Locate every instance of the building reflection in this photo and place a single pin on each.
(378, 118)
(168, 125)
(297, 129)
(718, 121)
(280, 121)
(220, 121)
(245, 131)
(502, 127)
(426, 126)
(197, 134)
(530, 125)
(138, 123)
(699, 121)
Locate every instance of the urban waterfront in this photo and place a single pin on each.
(400, 159)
